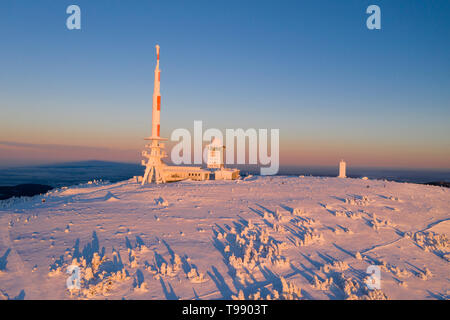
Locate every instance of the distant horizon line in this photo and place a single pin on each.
(286, 166)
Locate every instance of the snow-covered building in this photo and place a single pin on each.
(215, 162)
(177, 173)
(226, 174)
(215, 154)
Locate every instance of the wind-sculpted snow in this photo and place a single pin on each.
(255, 238)
(434, 242)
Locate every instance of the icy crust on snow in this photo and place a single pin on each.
(256, 238)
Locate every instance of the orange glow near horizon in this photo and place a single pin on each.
(292, 153)
(358, 154)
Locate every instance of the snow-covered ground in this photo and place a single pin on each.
(263, 237)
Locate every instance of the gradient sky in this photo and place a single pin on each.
(310, 68)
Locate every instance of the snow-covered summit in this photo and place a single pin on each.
(262, 237)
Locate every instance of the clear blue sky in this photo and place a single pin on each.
(310, 68)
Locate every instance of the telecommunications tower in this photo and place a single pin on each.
(154, 151)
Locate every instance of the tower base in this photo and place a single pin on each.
(154, 166)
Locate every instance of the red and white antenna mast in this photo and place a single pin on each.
(154, 167)
(156, 99)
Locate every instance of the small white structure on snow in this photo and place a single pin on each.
(342, 169)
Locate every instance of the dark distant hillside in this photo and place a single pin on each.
(439, 184)
(70, 173)
(23, 190)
